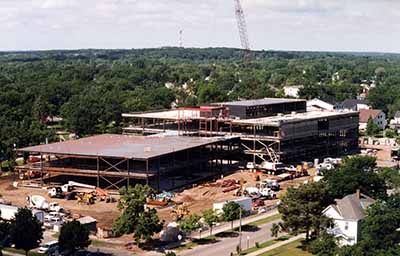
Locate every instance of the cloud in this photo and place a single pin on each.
(276, 24)
(297, 6)
(54, 4)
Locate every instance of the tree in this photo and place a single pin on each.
(210, 218)
(148, 224)
(5, 233)
(325, 245)
(372, 128)
(231, 212)
(302, 207)
(380, 227)
(190, 223)
(391, 176)
(135, 219)
(26, 232)
(170, 253)
(73, 236)
(355, 173)
(275, 230)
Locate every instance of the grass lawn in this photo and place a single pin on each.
(291, 249)
(195, 242)
(255, 224)
(101, 243)
(22, 252)
(265, 244)
(265, 220)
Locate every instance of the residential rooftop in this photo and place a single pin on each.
(365, 114)
(353, 206)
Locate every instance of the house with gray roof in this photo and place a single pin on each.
(395, 122)
(354, 105)
(347, 214)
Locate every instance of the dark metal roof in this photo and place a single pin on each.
(352, 103)
(122, 146)
(265, 101)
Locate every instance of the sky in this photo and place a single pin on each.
(316, 25)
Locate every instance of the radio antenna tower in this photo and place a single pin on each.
(241, 21)
(180, 38)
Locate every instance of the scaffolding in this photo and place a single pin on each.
(119, 159)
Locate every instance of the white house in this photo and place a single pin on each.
(292, 91)
(354, 105)
(347, 214)
(377, 115)
(317, 104)
(395, 122)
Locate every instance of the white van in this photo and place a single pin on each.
(49, 246)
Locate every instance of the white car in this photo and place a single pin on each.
(50, 246)
(51, 215)
(55, 207)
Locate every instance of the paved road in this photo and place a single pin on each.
(227, 245)
(227, 226)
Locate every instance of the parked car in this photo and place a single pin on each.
(49, 247)
(257, 203)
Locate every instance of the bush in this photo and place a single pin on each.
(325, 245)
(257, 245)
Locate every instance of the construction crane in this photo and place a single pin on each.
(244, 37)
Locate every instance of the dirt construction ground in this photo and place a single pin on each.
(196, 198)
(103, 212)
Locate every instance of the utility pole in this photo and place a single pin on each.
(240, 230)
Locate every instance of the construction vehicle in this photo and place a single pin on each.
(255, 192)
(268, 183)
(103, 195)
(55, 192)
(37, 202)
(87, 198)
(180, 211)
(30, 175)
(71, 185)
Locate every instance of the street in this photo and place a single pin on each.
(227, 245)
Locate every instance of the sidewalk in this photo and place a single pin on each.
(227, 226)
(279, 244)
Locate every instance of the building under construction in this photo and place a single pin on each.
(269, 129)
(173, 148)
(164, 162)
